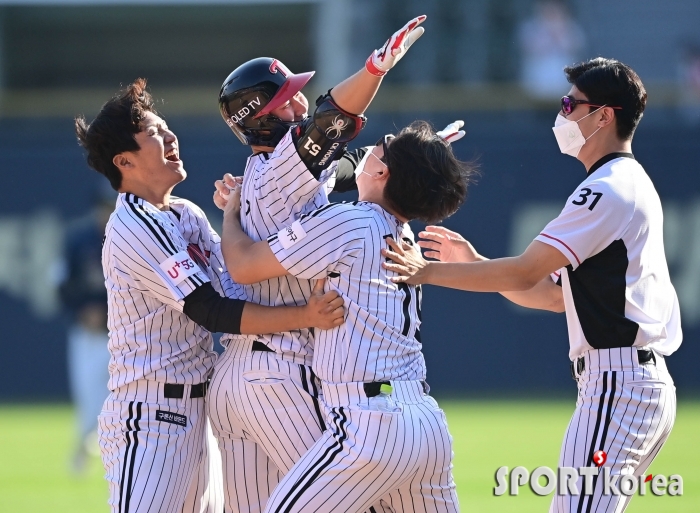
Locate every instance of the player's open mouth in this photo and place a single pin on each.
(172, 156)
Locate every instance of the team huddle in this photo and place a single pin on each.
(320, 402)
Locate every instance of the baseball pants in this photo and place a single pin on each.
(266, 413)
(401, 460)
(155, 452)
(624, 408)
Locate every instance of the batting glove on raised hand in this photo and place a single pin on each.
(382, 60)
(452, 132)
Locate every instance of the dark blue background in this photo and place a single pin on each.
(475, 344)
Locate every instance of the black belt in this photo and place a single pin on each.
(259, 346)
(579, 365)
(174, 391)
(372, 389)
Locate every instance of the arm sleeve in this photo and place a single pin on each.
(345, 174)
(154, 257)
(594, 217)
(328, 239)
(285, 186)
(213, 312)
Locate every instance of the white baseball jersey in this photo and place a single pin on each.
(617, 289)
(380, 338)
(155, 449)
(277, 188)
(355, 463)
(148, 273)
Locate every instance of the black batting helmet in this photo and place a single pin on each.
(251, 91)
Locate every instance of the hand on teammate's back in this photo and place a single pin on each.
(325, 310)
(406, 260)
(447, 246)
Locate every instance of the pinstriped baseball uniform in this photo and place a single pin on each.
(264, 405)
(278, 188)
(402, 458)
(153, 447)
(623, 318)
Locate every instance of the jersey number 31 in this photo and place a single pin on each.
(583, 198)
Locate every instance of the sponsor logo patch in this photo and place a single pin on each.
(291, 235)
(178, 267)
(171, 418)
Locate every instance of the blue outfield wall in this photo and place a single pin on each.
(475, 344)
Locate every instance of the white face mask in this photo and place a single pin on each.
(569, 136)
(363, 162)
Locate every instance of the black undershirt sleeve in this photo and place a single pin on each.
(345, 172)
(212, 312)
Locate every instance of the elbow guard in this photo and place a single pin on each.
(322, 139)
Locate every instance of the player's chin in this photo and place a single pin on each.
(177, 167)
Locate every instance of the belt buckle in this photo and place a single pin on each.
(577, 367)
(645, 356)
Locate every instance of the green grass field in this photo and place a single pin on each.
(35, 444)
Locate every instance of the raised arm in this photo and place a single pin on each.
(354, 94)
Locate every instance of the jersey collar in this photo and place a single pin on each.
(607, 158)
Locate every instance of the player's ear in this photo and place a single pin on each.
(607, 116)
(121, 161)
(382, 175)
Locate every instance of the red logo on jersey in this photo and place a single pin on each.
(186, 264)
(199, 256)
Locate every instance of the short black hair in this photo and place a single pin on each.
(610, 82)
(113, 129)
(426, 181)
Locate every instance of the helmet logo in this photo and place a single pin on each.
(237, 117)
(276, 66)
(336, 129)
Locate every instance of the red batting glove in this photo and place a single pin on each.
(382, 60)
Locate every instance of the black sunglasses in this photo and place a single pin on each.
(384, 141)
(568, 104)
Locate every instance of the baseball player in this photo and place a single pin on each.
(387, 440)
(265, 408)
(606, 252)
(163, 272)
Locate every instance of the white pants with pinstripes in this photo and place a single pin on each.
(156, 452)
(265, 414)
(623, 408)
(401, 459)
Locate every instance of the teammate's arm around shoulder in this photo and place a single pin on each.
(246, 261)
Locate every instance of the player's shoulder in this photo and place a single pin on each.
(134, 218)
(349, 209)
(617, 174)
(133, 210)
(283, 150)
(189, 205)
(612, 185)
